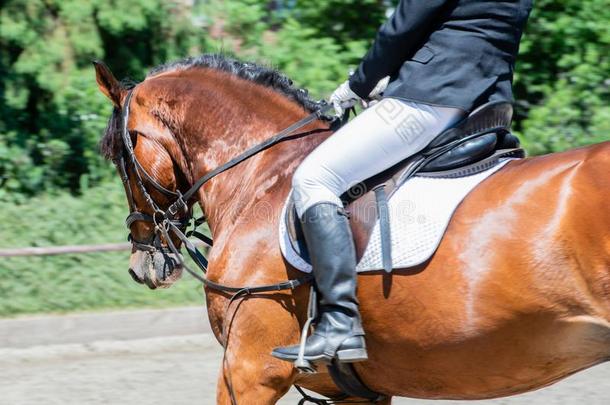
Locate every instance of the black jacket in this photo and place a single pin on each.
(456, 53)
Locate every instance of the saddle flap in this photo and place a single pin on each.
(295, 232)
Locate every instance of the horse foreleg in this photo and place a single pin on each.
(251, 377)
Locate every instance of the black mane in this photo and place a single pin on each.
(262, 75)
(110, 144)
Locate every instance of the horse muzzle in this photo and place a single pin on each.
(155, 269)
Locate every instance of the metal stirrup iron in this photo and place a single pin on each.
(305, 366)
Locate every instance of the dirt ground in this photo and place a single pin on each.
(175, 369)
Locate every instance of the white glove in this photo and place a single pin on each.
(379, 88)
(375, 95)
(343, 98)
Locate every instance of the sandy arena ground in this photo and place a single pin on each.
(164, 357)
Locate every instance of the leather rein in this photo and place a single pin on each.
(169, 221)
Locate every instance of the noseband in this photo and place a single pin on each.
(177, 217)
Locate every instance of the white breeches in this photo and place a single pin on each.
(377, 139)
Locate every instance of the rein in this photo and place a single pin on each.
(166, 221)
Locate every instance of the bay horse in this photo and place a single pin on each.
(516, 297)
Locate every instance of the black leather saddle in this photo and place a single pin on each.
(475, 144)
(476, 137)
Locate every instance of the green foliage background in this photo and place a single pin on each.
(68, 282)
(55, 188)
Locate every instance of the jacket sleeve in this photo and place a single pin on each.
(396, 41)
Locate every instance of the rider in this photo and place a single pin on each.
(444, 59)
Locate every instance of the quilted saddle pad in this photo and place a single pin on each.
(420, 211)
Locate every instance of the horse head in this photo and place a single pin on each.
(139, 145)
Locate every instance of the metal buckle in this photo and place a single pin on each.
(177, 205)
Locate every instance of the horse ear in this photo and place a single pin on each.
(107, 83)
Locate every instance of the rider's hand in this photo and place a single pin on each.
(379, 88)
(343, 98)
(375, 95)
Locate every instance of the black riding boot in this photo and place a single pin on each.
(338, 333)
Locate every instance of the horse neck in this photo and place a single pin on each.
(236, 116)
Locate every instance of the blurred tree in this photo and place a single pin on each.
(315, 52)
(344, 21)
(562, 84)
(51, 115)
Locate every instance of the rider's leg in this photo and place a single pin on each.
(380, 137)
(377, 139)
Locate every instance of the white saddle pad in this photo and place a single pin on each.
(420, 211)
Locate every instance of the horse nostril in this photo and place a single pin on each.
(135, 277)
